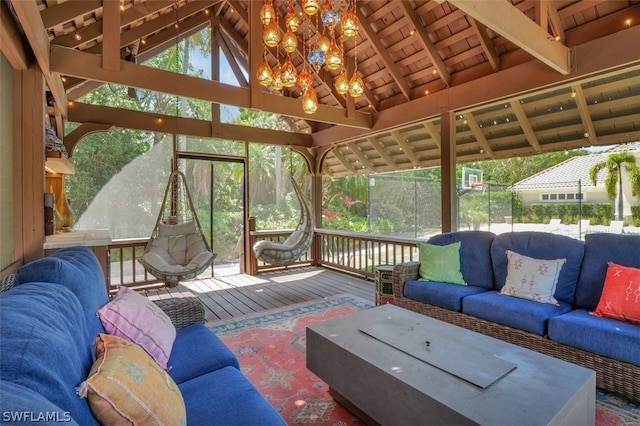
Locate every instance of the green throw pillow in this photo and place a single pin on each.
(440, 263)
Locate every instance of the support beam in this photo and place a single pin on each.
(480, 137)
(433, 132)
(152, 122)
(11, 40)
(610, 52)
(449, 214)
(84, 65)
(406, 148)
(585, 116)
(382, 152)
(85, 129)
(488, 47)
(343, 160)
(505, 19)
(361, 156)
(111, 35)
(436, 60)
(33, 28)
(523, 120)
(68, 11)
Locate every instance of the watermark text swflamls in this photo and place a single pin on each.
(36, 416)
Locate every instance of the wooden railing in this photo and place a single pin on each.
(352, 252)
(360, 253)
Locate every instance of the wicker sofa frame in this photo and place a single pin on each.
(611, 374)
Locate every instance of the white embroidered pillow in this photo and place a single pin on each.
(533, 279)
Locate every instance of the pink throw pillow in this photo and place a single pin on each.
(135, 318)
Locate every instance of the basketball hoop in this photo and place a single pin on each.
(475, 186)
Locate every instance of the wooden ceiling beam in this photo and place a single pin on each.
(555, 21)
(433, 132)
(381, 151)
(585, 116)
(382, 51)
(479, 136)
(488, 47)
(406, 148)
(614, 51)
(111, 35)
(361, 156)
(36, 34)
(525, 125)
(343, 160)
(423, 35)
(11, 40)
(231, 59)
(153, 122)
(60, 13)
(505, 19)
(85, 65)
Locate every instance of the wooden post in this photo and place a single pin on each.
(251, 263)
(448, 168)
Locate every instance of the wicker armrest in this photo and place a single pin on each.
(183, 311)
(7, 282)
(402, 273)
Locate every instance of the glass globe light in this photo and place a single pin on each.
(310, 100)
(350, 24)
(356, 85)
(334, 57)
(310, 7)
(316, 59)
(271, 34)
(288, 73)
(267, 13)
(305, 79)
(324, 43)
(264, 74)
(277, 79)
(330, 18)
(289, 42)
(292, 21)
(342, 83)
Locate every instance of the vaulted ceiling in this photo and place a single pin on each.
(512, 77)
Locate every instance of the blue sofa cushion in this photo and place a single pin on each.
(20, 405)
(603, 336)
(226, 397)
(526, 315)
(475, 264)
(444, 295)
(43, 336)
(78, 269)
(198, 351)
(598, 250)
(541, 245)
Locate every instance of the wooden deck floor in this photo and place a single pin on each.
(229, 295)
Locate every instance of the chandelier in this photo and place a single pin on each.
(333, 20)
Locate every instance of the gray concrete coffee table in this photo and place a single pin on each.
(393, 366)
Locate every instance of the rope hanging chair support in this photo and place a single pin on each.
(296, 245)
(177, 252)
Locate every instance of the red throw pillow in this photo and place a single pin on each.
(621, 294)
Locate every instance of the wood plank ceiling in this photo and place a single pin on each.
(519, 77)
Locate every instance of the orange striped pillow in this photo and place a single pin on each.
(621, 294)
(125, 385)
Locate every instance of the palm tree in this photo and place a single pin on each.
(613, 181)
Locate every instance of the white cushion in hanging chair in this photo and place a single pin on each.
(177, 252)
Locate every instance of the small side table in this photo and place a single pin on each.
(384, 284)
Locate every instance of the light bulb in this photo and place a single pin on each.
(271, 34)
(342, 83)
(356, 85)
(289, 42)
(289, 73)
(277, 79)
(267, 13)
(333, 59)
(310, 101)
(264, 74)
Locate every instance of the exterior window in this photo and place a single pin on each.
(579, 196)
(561, 196)
(570, 196)
(545, 197)
(553, 197)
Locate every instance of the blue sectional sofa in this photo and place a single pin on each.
(48, 326)
(567, 329)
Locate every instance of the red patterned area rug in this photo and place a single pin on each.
(271, 348)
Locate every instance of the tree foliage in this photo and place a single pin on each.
(614, 165)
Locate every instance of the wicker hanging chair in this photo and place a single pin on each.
(296, 245)
(177, 249)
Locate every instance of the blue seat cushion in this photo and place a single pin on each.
(43, 338)
(599, 249)
(444, 295)
(475, 262)
(603, 336)
(541, 245)
(226, 397)
(78, 269)
(21, 405)
(526, 315)
(198, 351)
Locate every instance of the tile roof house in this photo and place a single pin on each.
(564, 182)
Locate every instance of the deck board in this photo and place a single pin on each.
(226, 296)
